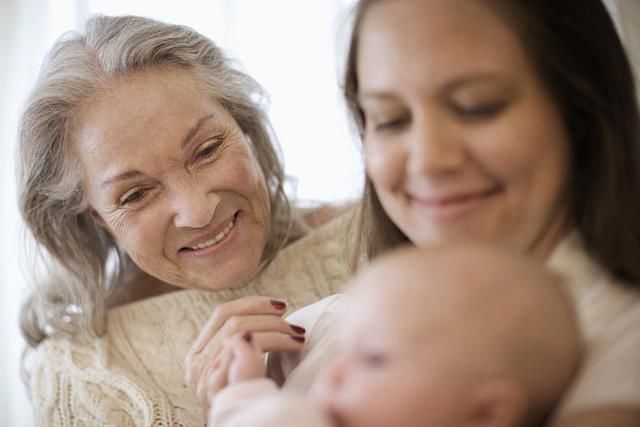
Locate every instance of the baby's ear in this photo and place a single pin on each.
(498, 403)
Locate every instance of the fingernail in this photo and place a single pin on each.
(298, 329)
(247, 336)
(278, 305)
(297, 338)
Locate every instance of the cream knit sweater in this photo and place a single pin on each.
(134, 375)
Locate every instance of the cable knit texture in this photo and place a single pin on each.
(134, 375)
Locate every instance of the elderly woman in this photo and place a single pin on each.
(513, 123)
(148, 166)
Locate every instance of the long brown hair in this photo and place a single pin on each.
(578, 54)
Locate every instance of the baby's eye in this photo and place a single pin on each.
(373, 359)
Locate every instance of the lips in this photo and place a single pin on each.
(212, 236)
(454, 198)
(450, 208)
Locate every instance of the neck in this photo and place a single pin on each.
(138, 287)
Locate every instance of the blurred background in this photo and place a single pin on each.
(294, 48)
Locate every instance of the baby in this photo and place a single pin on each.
(458, 336)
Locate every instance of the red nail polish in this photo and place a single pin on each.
(278, 305)
(297, 338)
(298, 329)
(247, 336)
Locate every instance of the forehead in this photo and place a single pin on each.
(144, 102)
(433, 41)
(150, 110)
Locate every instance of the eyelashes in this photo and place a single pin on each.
(134, 196)
(209, 148)
(468, 114)
(202, 155)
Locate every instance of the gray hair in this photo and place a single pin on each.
(83, 262)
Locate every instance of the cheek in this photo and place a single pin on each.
(532, 166)
(385, 165)
(139, 233)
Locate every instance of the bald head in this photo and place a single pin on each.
(506, 313)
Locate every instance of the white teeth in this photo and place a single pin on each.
(221, 235)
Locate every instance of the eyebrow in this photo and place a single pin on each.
(121, 177)
(185, 141)
(449, 86)
(194, 129)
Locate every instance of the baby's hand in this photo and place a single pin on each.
(239, 360)
(246, 361)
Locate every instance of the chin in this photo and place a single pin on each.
(227, 281)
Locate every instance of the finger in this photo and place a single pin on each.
(238, 324)
(195, 363)
(258, 323)
(255, 324)
(244, 348)
(247, 360)
(242, 306)
(275, 341)
(214, 378)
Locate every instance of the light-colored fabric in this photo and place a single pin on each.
(134, 375)
(609, 320)
(259, 403)
(320, 320)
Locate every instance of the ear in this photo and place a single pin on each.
(95, 216)
(498, 403)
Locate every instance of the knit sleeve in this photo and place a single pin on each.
(70, 386)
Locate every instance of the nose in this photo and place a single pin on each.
(193, 207)
(433, 147)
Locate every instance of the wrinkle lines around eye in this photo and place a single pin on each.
(121, 219)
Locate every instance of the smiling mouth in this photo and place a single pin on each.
(213, 241)
(446, 202)
(455, 207)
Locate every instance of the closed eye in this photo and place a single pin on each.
(133, 196)
(480, 112)
(391, 124)
(209, 149)
(373, 359)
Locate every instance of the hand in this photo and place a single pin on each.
(259, 315)
(239, 360)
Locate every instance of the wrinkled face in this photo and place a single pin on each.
(168, 172)
(390, 372)
(462, 140)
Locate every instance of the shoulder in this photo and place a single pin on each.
(109, 380)
(311, 268)
(65, 373)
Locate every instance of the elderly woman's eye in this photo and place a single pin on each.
(133, 196)
(209, 149)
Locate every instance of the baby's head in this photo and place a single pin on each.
(450, 337)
